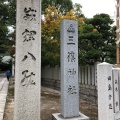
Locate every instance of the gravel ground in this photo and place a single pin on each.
(49, 104)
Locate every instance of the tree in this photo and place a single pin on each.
(7, 18)
(78, 11)
(3, 26)
(50, 37)
(51, 34)
(97, 40)
(62, 5)
(12, 14)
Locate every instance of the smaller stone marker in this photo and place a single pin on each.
(105, 92)
(108, 92)
(115, 90)
(69, 73)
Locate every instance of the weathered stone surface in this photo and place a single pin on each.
(28, 59)
(116, 104)
(105, 92)
(69, 69)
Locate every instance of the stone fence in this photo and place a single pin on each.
(87, 80)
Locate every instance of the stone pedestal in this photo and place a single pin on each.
(58, 116)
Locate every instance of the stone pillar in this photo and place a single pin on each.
(116, 89)
(116, 92)
(28, 60)
(105, 91)
(69, 73)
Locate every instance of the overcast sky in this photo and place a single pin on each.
(92, 7)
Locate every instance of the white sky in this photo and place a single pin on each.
(92, 7)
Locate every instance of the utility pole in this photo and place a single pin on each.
(117, 33)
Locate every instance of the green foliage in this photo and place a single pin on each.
(51, 34)
(62, 5)
(7, 18)
(12, 13)
(50, 37)
(78, 10)
(97, 40)
(96, 35)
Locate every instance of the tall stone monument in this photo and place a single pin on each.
(28, 60)
(69, 73)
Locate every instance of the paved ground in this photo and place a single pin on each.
(3, 94)
(2, 75)
(50, 103)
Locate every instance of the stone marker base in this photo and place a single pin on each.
(58, 116)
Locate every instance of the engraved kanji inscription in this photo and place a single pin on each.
(27, 79)
(116, 82)
(71, 56)
(109, 87)
(30, 14)
(71, 72)
(71, 29)
(116, 104)
(71, 90)
(28, 35)
(116, 89)
(29, 54)
(71, 40)
(110, 96)
(110, 106)
(109, 78)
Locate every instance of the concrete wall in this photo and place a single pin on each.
(87, 80)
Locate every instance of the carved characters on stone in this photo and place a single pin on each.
(116, 104)
(109, 87)
(71, 72)
(28, 35)
(31, 55)
(110, 92)
(27, 78)
(110, 96)
(109, 78)
(71, 40)
(71, 56)
(116, 82)
(71, 90)
(30, 14)
(110, 106)
(71, 29)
